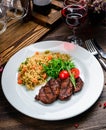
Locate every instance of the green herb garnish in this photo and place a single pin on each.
(56, 65)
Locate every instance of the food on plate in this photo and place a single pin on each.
(31, 72)
(57, 69)
(75, 72)
(60, 68)
(63, 74)
(49, 92)
(65, 81)
(61, 89)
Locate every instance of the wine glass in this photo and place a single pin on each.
(3, 22)
(15, 9)
(74, 15)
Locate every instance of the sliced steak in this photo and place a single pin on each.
(42, 96)
(79, 84)
(58, 89)
(55, 86)
(66, 89)
(49, 92)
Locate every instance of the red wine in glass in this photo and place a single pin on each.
(74, 15)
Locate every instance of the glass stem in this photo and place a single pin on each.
(74, 31)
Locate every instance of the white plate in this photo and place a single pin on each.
(23, 100)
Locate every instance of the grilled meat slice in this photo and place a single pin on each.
(42, 96)
(66, 89)
(55, 86)
(46, 95)
(79, 84)
(49, 92)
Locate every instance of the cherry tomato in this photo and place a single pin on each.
(75, 72)
(63, 74)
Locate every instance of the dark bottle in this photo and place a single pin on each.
(42, 6)
(27, 5)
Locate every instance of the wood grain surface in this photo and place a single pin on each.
(11, 41)
(53, 16)
(21, 33)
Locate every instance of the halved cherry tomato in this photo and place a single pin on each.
(63, 74)
(75, 72)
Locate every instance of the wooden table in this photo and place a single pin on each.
(11, 119)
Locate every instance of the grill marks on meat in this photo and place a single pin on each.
(49, 92)
(66, 89)
(42, 96)
(54, 84)
(58, 89)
